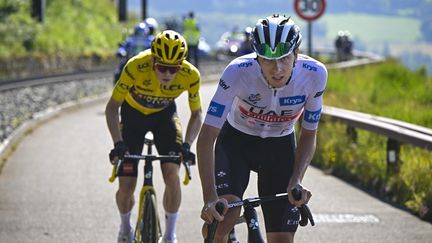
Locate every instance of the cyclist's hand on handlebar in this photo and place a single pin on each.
(298, 195)
(118, 152)
(210, 213)
(187, 154)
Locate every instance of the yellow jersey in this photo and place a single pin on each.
(139, 86)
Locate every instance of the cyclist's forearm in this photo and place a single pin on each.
(205, 153)
(193, 126)
(303, 155)
(112, 119)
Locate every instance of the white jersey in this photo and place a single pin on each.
(246, 100)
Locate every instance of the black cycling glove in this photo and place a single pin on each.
(187, 154)
(119, 150)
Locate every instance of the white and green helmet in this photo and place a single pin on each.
(275, 37)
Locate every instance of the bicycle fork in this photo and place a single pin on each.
(251, 217)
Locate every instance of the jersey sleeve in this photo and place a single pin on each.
(313, 105)
(126, 81)
(223, 98)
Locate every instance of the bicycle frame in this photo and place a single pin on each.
(148, 192)
(251, 218)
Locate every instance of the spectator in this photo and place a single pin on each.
(191, 33)
(139, 41)
(343, 45)
(246, 45)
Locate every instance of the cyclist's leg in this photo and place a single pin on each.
(232, 170)
(273, 176)
(168, 139)
(133, 136)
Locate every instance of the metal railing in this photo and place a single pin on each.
(397, 132)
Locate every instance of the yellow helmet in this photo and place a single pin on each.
(169, 47)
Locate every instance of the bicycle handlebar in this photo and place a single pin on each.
(152, 158)
(305, 212)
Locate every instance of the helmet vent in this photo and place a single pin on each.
(174, 52)
(166, 49)
(283, 22)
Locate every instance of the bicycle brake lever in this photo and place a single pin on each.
(309, 214)
(303, 216)
(211, 229)
(305, 213)
(188, 175)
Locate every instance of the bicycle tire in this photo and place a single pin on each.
(150, 225)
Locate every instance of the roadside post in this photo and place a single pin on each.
(309, 10)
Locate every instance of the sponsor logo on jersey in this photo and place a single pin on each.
(254, 98)
(216, 109)
(194, 83)
(292, 100)
(312, 116)
(269, 116)
(193, 96)
(142, 66)
(245, 64)
(168, 89)
(186, 70)
(223, 85)
(143, 89)
(128, 73)
(318, 94)
(310, 67)
(121, 87)
(150, 101)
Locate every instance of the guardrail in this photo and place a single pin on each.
(397, 132)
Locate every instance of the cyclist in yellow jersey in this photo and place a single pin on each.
(145, 95)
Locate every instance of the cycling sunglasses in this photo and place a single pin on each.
(281, 50)
(163, 68)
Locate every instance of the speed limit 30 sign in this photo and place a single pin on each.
(309, 10)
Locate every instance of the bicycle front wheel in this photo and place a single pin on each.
(150, 226)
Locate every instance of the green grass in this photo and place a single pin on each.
(71, 28)
(389, 90)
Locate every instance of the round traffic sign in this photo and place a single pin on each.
(309, 9)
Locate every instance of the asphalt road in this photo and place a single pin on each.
(54, 188)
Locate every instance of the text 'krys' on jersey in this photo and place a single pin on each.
(246, 100)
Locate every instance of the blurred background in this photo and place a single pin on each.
(396, 28)
(72, 36)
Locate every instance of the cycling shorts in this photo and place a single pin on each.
(166, 129)
(237, 154)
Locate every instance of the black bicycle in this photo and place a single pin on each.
(148, 228)
(250, 216)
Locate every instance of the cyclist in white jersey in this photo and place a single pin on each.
(249, 126)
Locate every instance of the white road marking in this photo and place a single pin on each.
(345, 218)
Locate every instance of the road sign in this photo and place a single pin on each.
(309, 10)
